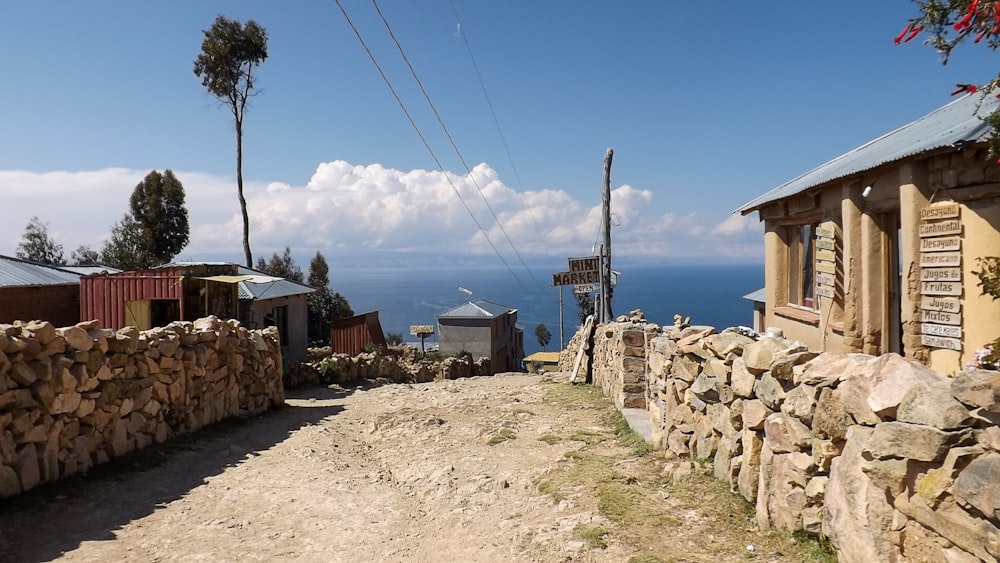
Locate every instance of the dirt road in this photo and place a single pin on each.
(510, 468)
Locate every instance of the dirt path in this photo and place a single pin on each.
(509, 468)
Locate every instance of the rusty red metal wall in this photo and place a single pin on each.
(103, 296)
(351, 336)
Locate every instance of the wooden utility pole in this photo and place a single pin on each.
(605, 312)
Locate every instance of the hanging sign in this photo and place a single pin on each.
(941, 275)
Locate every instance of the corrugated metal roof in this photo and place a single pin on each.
(951, 125)
(477, 308)
(760, 296)
(15, 272)
(90, 270)
(264, 287)
(249, 289)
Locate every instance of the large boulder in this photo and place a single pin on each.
(932, 405)
(978, 388)
(903, 440)
(894, 379)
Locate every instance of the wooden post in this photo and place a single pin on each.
(605, 312)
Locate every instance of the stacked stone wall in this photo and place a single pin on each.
(78, 396)
(888, 460)
(619, 360)
(344, 369)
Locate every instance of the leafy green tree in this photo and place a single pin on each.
(282, 266)
(157, 205)
(154, 230)
(124, 248)
(584, 305)
(37, 246)
(325, 306)
(230, 53)
(543, 335)
(394, 339)
(85, 256)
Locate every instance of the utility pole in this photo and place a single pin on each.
(605, 312)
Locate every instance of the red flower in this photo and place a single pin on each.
(901, 34)
(916, 31)
(970, 88)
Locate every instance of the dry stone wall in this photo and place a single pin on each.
(888, 460)
(344, 369)
(75, 397)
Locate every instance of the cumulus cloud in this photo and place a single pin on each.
(737, 224)
(353, 209)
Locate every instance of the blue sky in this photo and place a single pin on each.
(706, 104)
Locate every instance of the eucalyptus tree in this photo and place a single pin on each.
(230, 53)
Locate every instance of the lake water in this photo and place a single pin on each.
(710, 295)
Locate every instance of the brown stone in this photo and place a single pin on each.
(913, 441)
(741, 380)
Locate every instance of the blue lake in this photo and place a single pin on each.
(710, 295)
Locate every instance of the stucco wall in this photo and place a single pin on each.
(298, 335)
(877, 240)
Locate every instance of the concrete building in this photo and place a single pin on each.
(485, 330)
(875, 250)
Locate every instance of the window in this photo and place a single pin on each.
(802, 266)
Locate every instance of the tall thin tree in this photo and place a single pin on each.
(36, 244)
(230, 52)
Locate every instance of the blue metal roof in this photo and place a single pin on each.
(478, 308)
(759, 296)
(952, 125)
(15, 272)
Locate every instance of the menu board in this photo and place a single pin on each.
(826, 260)
(941, 276)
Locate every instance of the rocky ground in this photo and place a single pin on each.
(505, 468)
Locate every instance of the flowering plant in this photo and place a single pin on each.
(988, 357)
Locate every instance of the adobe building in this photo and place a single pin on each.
(875, 250)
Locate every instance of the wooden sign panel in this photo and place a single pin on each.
(825, 244)
(941, 342)
(825, 291)
(940, 244)
(825, 232)
(941, 274)
(941, 330)
(828, 255)
(946, 304)
(939, 211)
(940, 288)
(940, 259)
(826, 279)
(941, 228)
(826, 267)
(940, 317)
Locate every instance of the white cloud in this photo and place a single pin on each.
(737, 224)
(356, 209)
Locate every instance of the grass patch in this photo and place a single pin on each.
(630, 438)
(575, 396)
(646, 559)
(547, 487)
(817, 548)
(502, 436)
(627, 505)
(593, 536)
(550, 439)
(588, 437)
(522, 410)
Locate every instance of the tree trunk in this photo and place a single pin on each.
(239, 191)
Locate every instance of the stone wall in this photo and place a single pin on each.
(619, 360)
(344, 369)
(888, 460)
(75, 397)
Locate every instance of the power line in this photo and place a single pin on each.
(451, 139)
(413, 124)
(482, 85)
